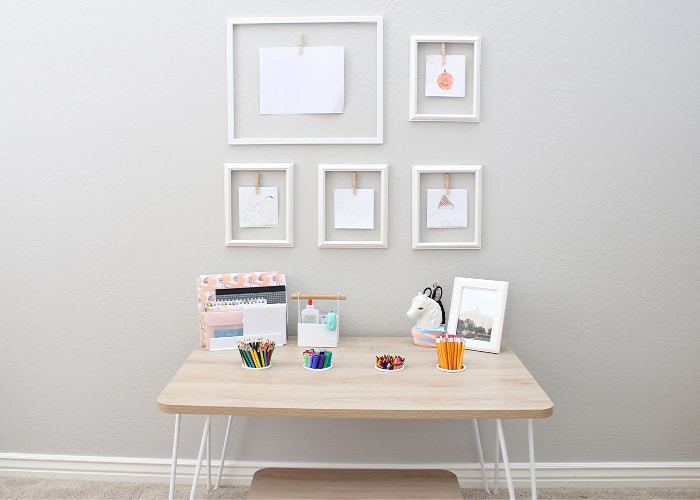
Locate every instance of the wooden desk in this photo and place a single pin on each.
(494, 386)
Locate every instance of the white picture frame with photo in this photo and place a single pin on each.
(477, 312)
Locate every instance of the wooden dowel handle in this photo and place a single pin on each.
(319, 296)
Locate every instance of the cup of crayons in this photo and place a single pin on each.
(450, 351)
(390, 362)
(318, 359)
(256, 354)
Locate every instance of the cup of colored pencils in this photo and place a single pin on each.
(450, 351)
(256, 353)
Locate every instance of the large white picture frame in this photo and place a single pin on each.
(467, 109)
(433, 176)
(377, 238)
(283, 178)
(360, 123)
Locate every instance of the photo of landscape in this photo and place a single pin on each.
(476, 312)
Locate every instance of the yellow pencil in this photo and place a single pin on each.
(442, 355)
(455, 360)
(445, 356)
(450, 354)
(254, 356)
(456, 365)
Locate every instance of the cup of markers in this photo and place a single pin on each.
(256, 354)
(450, 351)
(318, 359)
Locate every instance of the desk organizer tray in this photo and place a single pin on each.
(264, 295)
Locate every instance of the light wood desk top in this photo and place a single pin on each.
(492, 386)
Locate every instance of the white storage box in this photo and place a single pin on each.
(317, 335)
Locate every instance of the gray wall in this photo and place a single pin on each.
(113, 129)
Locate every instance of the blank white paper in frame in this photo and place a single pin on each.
(362, 119)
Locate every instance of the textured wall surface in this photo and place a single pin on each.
(113, 128)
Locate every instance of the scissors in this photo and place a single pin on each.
(435, 293)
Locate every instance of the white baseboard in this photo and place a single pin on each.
(549, 475)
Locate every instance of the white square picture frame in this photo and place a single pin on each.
(341, 175)
(360, 123)
(446, 176)
(248, 174)
(477, 312)
(422, 108)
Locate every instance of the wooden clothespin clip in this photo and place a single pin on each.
(257, 182)
(354, 183)
(447, 184)
(442, 52)
(300, 43)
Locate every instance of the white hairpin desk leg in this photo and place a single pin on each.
(173, 467)
(506, 463)
(531, 443)
(223, 452)
(496, 464)
(481, 456)
(209, 459)
(200, 457)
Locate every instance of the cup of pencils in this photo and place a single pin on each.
(256, 354)
(450, 351)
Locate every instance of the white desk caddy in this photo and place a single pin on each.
(318, 334)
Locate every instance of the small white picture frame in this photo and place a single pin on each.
(372, 176)
(434, 177)
(280, 175)
(477, 312)
(455, 109)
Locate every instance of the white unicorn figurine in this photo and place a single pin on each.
(425, 311)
